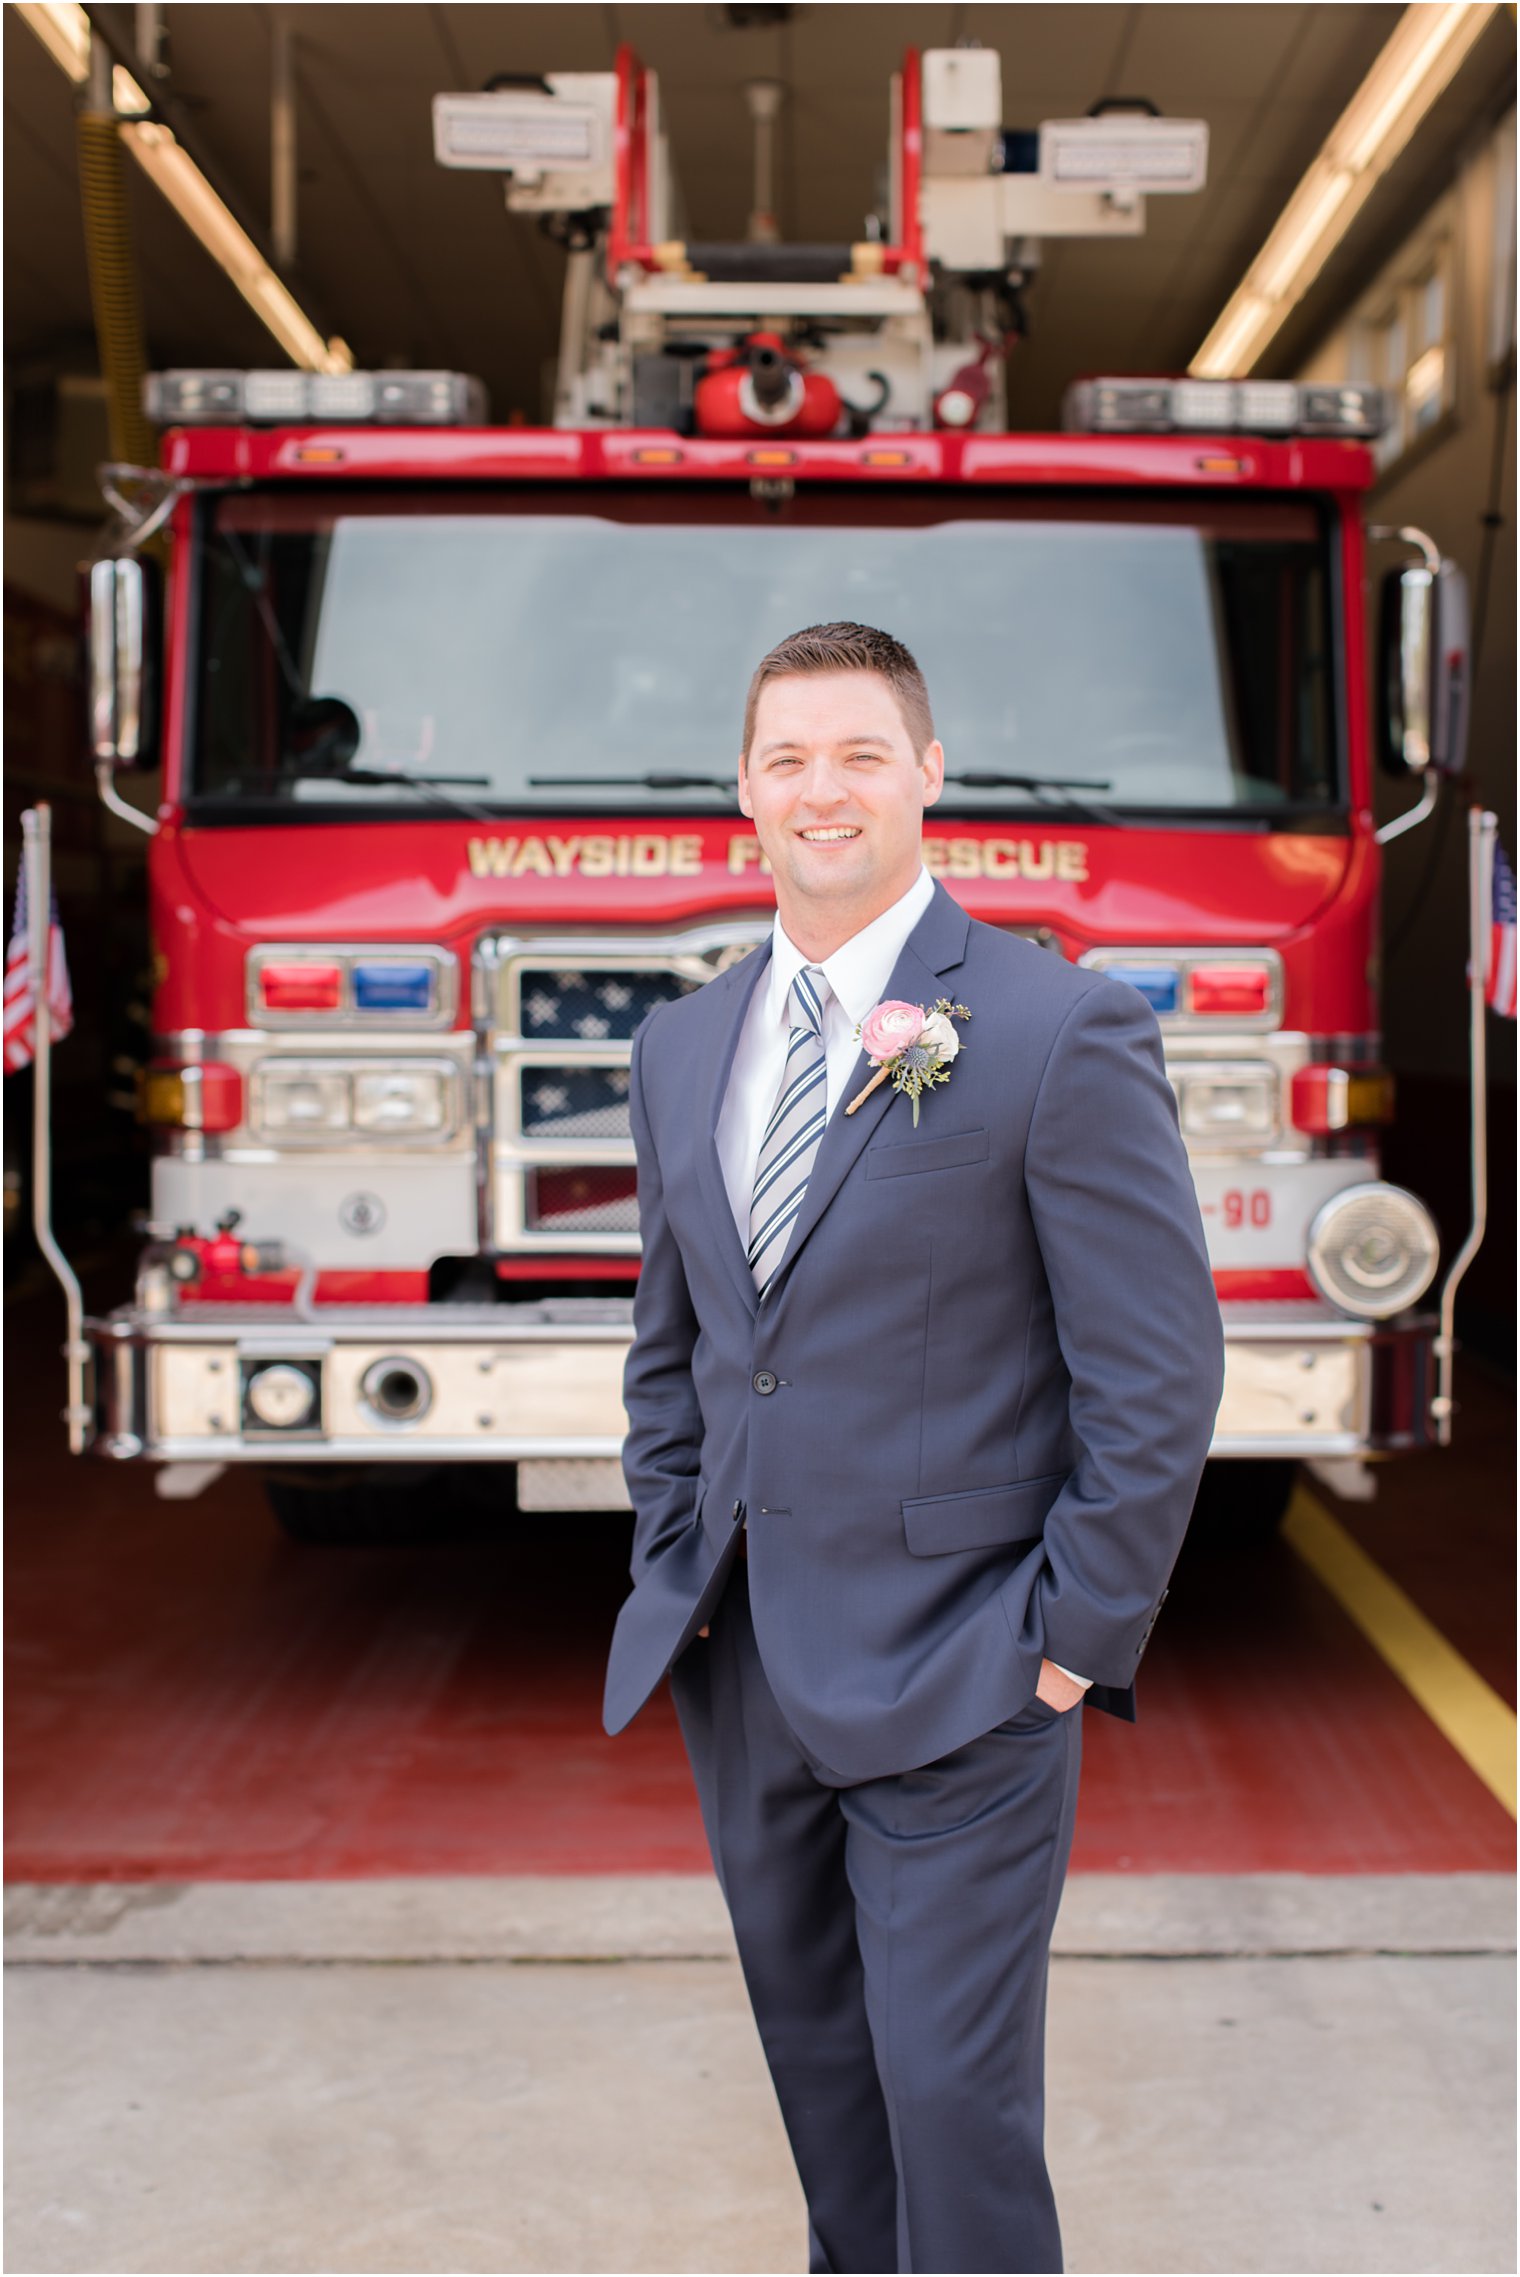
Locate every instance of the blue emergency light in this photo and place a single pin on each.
(1160, 985)
(392, 987)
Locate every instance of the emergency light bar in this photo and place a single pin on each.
(310, 399)
(1222, 407)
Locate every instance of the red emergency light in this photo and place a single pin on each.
(301, 988)
(1229, 988)
(1322, 1099)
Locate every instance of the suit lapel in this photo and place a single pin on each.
(739, 987)
(936, 945)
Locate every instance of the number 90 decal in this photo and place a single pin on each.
(1240, 1208)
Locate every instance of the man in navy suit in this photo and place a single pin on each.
(917, 1408)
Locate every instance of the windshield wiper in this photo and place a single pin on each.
(992, 780)
(979, 780)
(376, 778)
(633, 782)
(384, 775)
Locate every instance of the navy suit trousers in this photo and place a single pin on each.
(895, 1937)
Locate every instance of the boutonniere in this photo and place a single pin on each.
(912, 1046)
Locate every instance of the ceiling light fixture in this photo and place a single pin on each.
(64, 30)
(1417, 65)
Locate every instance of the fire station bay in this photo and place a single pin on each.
(421, 423)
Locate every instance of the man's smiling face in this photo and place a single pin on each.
(837, 796)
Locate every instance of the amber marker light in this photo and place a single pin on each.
(205, 1097)
(656, 455)
(163, 1098)
(317, 454)
(886, 458)
(770, 458)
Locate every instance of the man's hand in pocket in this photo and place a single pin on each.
(1056, 1688)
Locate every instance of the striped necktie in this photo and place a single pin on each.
(791, 1136)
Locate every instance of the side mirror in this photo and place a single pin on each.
(124, 621)
(322, 735)
(1423, 668)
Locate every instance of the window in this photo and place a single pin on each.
(549, 650)
(1425, 380)
(1401, 340)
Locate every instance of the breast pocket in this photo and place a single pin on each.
(946, 1153)
(984, 1518)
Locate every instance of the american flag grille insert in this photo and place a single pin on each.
(583, 1201)
(585, 1006)
(560, 1015)
(574, 1102)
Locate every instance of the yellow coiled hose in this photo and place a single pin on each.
(114, 287)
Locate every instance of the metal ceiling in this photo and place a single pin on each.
(416, 266)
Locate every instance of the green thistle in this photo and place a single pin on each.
(914, 1071)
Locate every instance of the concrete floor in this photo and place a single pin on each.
(1276, 2073)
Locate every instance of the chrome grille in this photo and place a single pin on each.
(585, 1006)
(582, 1202)
(559, 1017)
(573, 1102)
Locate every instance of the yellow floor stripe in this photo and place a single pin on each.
(1463, 1708)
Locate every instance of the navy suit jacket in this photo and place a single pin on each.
(967, 1423)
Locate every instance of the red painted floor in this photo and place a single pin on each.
(190, 1696)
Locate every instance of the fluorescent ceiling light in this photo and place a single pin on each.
(1303, 222)
(1370, 127)
(1417, 65)
(64, 30)
(1227, 344)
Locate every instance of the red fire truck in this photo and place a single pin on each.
(448, 715)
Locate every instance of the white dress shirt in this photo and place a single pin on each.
(857, 974)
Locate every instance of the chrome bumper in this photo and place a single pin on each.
(506, 1382)
(1300, 1380)
(515, 1383)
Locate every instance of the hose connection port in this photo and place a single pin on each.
(396, 1390)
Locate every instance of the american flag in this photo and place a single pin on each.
(1499, 983)
(20, 1000)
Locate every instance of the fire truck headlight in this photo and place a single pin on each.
(399, 1100)
(1373, 1250)
(304, 1101)
(1236, 1103)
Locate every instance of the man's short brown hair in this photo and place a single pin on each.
(847, 648)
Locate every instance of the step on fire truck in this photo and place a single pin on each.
(447, 718)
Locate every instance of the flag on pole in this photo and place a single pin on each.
(20, 997)
(1499, 981)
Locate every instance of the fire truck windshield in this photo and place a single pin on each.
(1178, 650)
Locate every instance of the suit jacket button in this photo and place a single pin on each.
(765, 1381)
(738, 1510)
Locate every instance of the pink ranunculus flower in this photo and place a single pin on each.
(889, 1028)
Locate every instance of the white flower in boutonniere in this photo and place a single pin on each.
(912, 1046)
(939, 1035)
